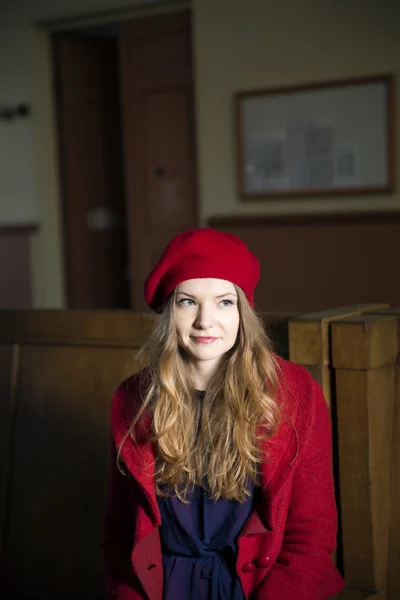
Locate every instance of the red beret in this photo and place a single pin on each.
(202, 253)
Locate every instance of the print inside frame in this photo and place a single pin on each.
(317, 139)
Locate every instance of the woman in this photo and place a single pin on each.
(221, 485)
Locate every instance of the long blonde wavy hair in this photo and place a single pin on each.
(238, 411)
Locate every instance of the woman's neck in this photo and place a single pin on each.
(203, 373)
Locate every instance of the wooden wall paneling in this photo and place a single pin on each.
(60, 466)
(70, 364)
(313, 262)
(8, 374)
(364, 351)
(124, 328)
(15, 266)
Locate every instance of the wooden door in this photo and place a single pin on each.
(15, 266)
(87, 87)
(159, 140)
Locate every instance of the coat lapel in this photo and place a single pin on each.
(140, 461)
(139, 456)
(279, 453)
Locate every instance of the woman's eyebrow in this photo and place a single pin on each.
(227, 294)
(185, 294)
(220, 295)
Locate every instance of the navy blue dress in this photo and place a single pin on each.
(198, 542)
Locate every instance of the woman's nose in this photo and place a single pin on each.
(204, 318)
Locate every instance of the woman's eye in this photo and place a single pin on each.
(227, 303)
(186, 302)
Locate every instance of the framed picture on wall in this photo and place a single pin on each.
(317, 139)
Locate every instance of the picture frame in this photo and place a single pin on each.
(334, 138)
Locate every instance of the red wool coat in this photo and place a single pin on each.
(284, 548)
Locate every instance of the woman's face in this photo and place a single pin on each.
(206, 317)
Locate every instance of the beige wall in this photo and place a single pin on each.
(254, 44)
(238, 44)
(29, 178)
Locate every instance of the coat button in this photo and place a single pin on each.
(248, 567)
(263, 561)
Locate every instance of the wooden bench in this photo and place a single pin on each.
(58, 371)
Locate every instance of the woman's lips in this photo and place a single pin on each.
(205, 340)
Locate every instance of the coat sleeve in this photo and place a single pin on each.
(304, 569)
(118, 526)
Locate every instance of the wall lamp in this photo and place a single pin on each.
(10, 112)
